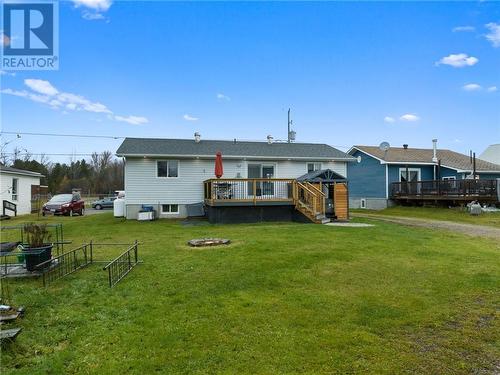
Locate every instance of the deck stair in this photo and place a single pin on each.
(310, 201)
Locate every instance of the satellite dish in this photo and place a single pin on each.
(384, 146)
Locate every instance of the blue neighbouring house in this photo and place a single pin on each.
(401, 174)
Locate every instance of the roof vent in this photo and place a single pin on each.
(197, 137)
(405, 146)
(269, 139)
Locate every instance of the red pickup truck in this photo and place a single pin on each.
(64, 204)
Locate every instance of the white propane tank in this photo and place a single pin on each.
(119, 207)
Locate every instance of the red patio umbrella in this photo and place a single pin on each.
(219, 170)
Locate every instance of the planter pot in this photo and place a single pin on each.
(38, 255)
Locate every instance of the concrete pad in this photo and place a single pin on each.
(354, 225)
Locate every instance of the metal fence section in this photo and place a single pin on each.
(66, 263)
(119, 267)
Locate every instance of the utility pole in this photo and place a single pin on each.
(289, 123)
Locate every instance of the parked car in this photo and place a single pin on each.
(103, 203)
(64, 204)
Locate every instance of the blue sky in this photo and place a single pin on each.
(353, 73)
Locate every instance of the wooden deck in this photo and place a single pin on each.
(249, 191)
(450, 190)
(307, 198)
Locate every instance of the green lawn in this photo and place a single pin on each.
(449, 214)
(283, 298)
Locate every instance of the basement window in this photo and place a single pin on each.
(362, 203)
(169, 208)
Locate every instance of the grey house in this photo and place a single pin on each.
(174, 174)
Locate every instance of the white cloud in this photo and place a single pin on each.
(463, 29)
(409, 117)
(389, 119)
(90, 16)
(44, 92)
(494, 35)
(97, 5)
(471, 87)
(189, 118)
(459, 60)
(41, 86)
(134, 120)
(223, 97)
(492, 89)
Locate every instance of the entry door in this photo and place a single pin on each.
(413, 177)
(268, 172)
(254, 172)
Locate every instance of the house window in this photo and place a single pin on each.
(15, 183)
(167, 168)
(169, 208)
(312, 167)
(449, 178)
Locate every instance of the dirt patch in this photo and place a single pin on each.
(468, 229)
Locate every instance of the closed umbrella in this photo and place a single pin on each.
(219, 170)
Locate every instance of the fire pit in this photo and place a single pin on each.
(199, 242)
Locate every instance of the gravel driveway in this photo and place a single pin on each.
(469, 229)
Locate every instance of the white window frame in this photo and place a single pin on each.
(168, 161)
(419, 170)
(15, 193)
(170, 212)
(316, 163)
(362, 203)
(449, 178)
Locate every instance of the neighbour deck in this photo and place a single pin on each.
(449, 190)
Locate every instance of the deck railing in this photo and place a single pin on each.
(249, 190)
(447, 189)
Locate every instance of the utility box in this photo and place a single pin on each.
(475, 209)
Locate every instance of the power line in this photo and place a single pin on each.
(43, 154)
(64, 135)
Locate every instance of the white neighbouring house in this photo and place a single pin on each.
(16, 186)
(491, 154)
(170, 173)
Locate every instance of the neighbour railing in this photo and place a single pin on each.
(65, 264)
(459, 189)
(119, 267)
(248, 190)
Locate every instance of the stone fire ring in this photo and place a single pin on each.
(200, 242)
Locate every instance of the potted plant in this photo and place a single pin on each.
(39, 247)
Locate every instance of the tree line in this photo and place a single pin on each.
(102, 174)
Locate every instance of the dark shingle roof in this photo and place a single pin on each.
(3, 168)
(208, 148)
(324, 175)
(424, 155)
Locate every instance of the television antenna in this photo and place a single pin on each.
(384, 146)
